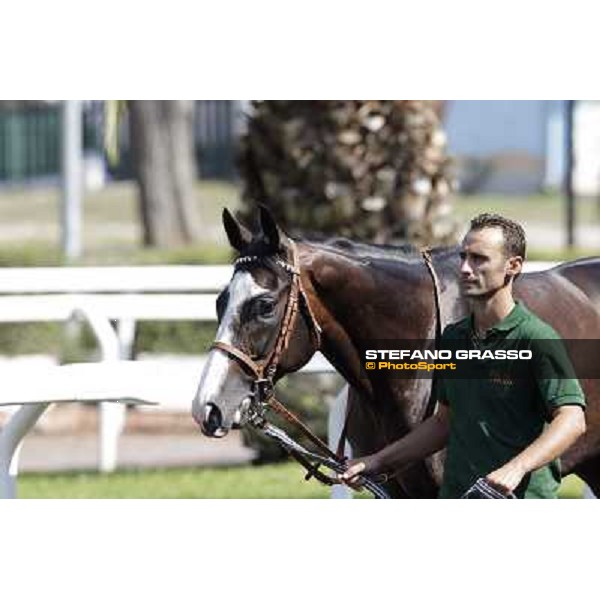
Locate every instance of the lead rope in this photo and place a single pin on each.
(304, 456)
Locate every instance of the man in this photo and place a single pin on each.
(510, 431)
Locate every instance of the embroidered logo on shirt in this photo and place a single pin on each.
(501, 379)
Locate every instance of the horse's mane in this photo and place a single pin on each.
(363, 250)
(382, 254)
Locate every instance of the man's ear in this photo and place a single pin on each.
(515, 266)
(239, 237)
(273, 235)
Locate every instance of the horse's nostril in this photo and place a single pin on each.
(212, 418)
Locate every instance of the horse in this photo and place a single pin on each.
(348, 293)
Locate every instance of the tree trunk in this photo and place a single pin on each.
(163, 155)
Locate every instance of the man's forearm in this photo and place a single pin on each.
(567, 425)
(421, 442)
(560, 434)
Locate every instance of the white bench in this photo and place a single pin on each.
(119, 382)
(34, 393)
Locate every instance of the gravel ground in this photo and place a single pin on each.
(54, 453)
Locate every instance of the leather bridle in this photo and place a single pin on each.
(264, 370)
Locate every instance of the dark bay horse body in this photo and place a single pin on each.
(360, 292)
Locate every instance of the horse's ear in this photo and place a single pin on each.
(271, 231)
(239, 237)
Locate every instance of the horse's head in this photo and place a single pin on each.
(254, 312)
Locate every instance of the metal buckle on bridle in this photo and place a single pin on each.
(262, 389)
(257, 415)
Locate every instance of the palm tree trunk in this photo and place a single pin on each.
(372, 170)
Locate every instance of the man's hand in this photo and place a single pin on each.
(429, 437)
(367, 465)
(507, 478)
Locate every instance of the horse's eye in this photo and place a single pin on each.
(265, 307)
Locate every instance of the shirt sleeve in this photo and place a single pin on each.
(555, 376)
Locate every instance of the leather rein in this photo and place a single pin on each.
(263, 396)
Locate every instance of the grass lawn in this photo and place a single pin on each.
(271, 481)
(30, 226)
(540, 208)
(30, 223)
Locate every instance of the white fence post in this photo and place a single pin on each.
(72, 180)
(112, 415)
(335, 424)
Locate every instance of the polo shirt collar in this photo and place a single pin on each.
(514, 318)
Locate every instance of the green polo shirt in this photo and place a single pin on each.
(493, 418)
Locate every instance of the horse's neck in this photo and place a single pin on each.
(357, 299)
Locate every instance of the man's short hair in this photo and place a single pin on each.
(513, 234)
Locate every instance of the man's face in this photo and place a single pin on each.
(484, 266)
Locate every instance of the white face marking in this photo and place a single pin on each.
(241, 288)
